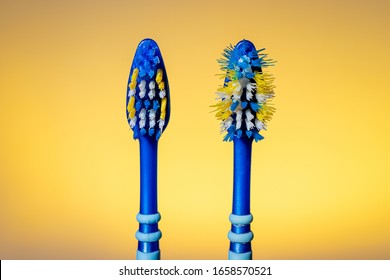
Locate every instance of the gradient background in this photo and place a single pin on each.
(69, 168)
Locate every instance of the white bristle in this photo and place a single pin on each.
(249, 124)
(259, 125)
(222, 95)
(131, 92)
(236, 97)
(249, 115)
(152, 118)
(142, 123)
(238, 114)
(161, 124)
(238, 124)
(248, 95)
(226, 124)
(162, 93)
(133, 122)
(142, 114)
(152, 91)
(151, 94)
(238, 119)
(142, 88)
(249, 88)
(152, 114)
(261, 98)
(229, 121)
(142, 85)
(142, 118)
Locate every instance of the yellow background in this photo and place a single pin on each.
(69, 168)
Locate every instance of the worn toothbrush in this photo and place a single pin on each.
(147, 111)
(244, 108)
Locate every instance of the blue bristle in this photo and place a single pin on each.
(230, 134)
(136, 132)
(228, 137)
(239, 133)
(151, 131)
(250, 75)
(156, 60)
(256, 62)
(257, 136)
(232, 128)
(156, 105)
(253, 54)
(142, 73)
(158, 135)
(244, 104)
(248, 133)
(147, 103)
(138, 105)
(255, 106)
(234, 106)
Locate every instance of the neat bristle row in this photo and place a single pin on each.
(244, 106)
(147, 100)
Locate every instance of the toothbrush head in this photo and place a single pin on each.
(147, 99)
(244, 101)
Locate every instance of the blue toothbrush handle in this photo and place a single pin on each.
(148, 234)
(240, 235)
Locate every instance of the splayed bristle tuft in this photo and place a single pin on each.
(244, 105)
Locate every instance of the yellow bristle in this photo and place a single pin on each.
(161, 85)
(159, 76)
(133, 82)
(163, 108)
(130, 107)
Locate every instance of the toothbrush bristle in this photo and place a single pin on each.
(147, 102)
(244, 106)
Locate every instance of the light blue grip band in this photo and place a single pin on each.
(242, 256)
(148, 219)
(241, 219)
(240, 237)
(148, 256)
(148, 237)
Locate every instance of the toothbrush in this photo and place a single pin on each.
(244, 108)
(147, 111)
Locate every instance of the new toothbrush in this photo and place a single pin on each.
(244, 109)
(147, 111)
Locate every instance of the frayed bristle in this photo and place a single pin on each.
(148, 93)
(244, 105)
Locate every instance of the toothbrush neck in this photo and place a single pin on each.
(148, 174)
(242, 175)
